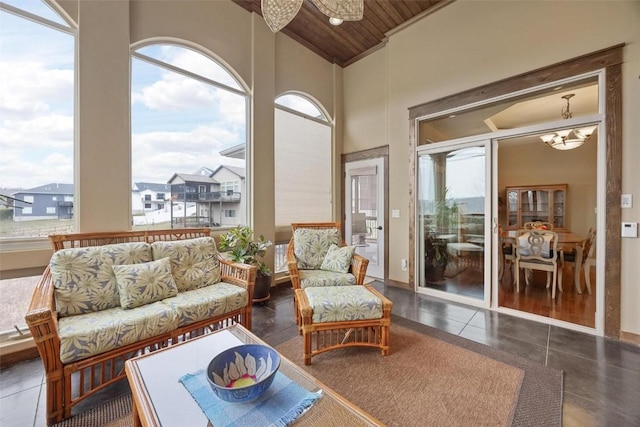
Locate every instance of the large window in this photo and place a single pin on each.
(188, 118)
(303, 161)
(36, 119)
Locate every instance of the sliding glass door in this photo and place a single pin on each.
(453, 226)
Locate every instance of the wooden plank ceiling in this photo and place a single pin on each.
(352, 40)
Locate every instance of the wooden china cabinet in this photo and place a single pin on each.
(546, 203)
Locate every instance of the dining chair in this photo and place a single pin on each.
(538, 250)
(507, 253)
(580, 258)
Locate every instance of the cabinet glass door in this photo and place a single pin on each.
(558, 209)
(535, 206)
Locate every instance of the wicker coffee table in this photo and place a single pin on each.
(159, 399)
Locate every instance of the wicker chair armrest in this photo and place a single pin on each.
(238, 274)
(42, 319)
(292, 266)
(359, 266)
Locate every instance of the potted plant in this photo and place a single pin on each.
(436, 256)
(240, 246)
(444, 221)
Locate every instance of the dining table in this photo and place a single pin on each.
(566, 240)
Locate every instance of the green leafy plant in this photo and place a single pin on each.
(240, 246)
(435, 250)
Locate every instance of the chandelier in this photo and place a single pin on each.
(568, 139)
(278, 13)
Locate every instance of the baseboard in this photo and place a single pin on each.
(630, 337)
(10, 355)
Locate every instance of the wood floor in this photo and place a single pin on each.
(568, 306)
(536, 298)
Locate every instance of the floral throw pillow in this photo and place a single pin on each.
(338, 259)
(140, 284)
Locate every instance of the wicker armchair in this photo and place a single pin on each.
(301, 278)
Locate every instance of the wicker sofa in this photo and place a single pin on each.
(106, 297)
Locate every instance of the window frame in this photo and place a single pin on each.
(244, 91)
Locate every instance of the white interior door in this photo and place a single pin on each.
(364, 212)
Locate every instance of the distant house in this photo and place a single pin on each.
(149, 197)
(232, 181)
(49, 201)
(216, 194)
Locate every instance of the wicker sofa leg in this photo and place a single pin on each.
(55, 397)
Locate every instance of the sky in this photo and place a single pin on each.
(179, 124)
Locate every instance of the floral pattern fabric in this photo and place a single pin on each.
(194, 262)
(338, 259)
(344, 303)
(84, 280)
(321, 278)
(94, 333)
(204, 303)
(311, 246)
(140, 284)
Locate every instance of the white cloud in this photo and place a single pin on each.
(156, 156)
(33, 88)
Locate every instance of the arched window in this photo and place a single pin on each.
(303, 161)
(189, 140)
(36, 121)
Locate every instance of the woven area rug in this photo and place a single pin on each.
(496, 387)
(114, 413)
(432, 378)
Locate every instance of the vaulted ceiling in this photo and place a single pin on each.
(352, 40)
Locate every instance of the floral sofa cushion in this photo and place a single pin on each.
(204, 303)
(194, 262)
(83, 277)
(321, 278)
(94, 333)
(338, 259)
(344, 303)
(140, 284)
(311, 246)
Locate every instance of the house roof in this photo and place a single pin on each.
(241, 172)
(189, 177)
(51, 188)
(236, 152)
(153, 186)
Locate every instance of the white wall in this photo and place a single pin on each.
(471, 43)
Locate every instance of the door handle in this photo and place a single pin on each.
(379, 227)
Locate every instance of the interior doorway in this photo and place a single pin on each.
(365, 213)
(556, 189)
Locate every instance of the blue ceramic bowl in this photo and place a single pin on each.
(243, 373)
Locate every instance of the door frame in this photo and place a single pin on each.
(609, 60)
(378, 152)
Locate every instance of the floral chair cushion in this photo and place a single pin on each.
(321, 278)
(338, 259)
(140, 284)
(311, 246)
(344, 303)
(204, 303)
(94, 333)
(194, 262)
(84, 280)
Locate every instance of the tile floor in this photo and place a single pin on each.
(601, 380)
